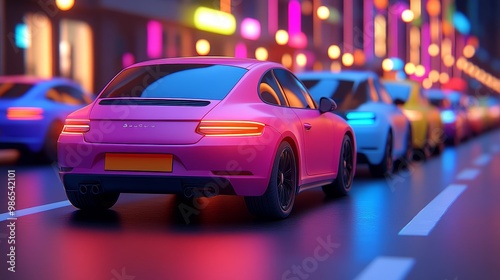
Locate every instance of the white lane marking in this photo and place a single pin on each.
(34, 210)
(482, 160)
(423, 223)
(387, 268)
(468, 174)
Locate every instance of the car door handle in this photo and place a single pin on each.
(308, 126)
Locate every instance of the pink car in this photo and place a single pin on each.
(202, 127)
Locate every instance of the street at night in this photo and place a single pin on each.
(354, 237)
(249, 140)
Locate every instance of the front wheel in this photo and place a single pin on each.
(277, 201)
(342, 185)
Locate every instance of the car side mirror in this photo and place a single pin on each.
(327, 105)
(399, 101)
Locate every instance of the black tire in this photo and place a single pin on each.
(92, 202)
(49, 151)
(385, 167)
(342, 185)
(277, 202)
(405, 161)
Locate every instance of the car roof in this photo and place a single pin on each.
(353, 75)
(246, 63)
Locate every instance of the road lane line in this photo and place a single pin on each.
(429, 216)
(387, 268)
(468, 174)
(34, 210)
(482, 160)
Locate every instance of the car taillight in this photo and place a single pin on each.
(24, 113)
(230, 128)
(360, 118)
(76, 126)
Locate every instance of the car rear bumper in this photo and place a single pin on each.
(232, 165)
(370, 143)
(25, 134)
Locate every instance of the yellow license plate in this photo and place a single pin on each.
(138, 162)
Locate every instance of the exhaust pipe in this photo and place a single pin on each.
(96, 189)
(189, 192)
(196, 192)
(83, 189)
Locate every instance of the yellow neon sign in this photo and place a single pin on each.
(214, 21)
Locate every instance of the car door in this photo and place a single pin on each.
(317, 132)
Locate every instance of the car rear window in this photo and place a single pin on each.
(13, 91)
(180, 81)
(398, 91)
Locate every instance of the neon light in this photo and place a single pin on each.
(348, 25)
(214, 21)
(448, 116)
(22, 36)
(281, 37)
(250, 29)
(202, 47)
(65, 5)
(380, 36)
(155, 39)
(298, 40)
(127, 59)
(393, 34)
(241, 50)
(225, 6)
(272, 16)
(294, 19)
(368, 29)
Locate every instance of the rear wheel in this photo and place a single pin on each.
(92, 202)
(342, 185)
(384, 168)
(277, 201)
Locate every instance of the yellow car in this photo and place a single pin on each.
(427, 127)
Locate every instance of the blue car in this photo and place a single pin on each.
(383, 133)
(33, 110)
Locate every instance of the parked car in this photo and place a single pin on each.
(33, 110)
(427, 127)
(477, 114)
(204, 126)
(452, 105)
(383, 133)
(492, 104)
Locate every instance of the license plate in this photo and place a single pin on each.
(138, 162)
